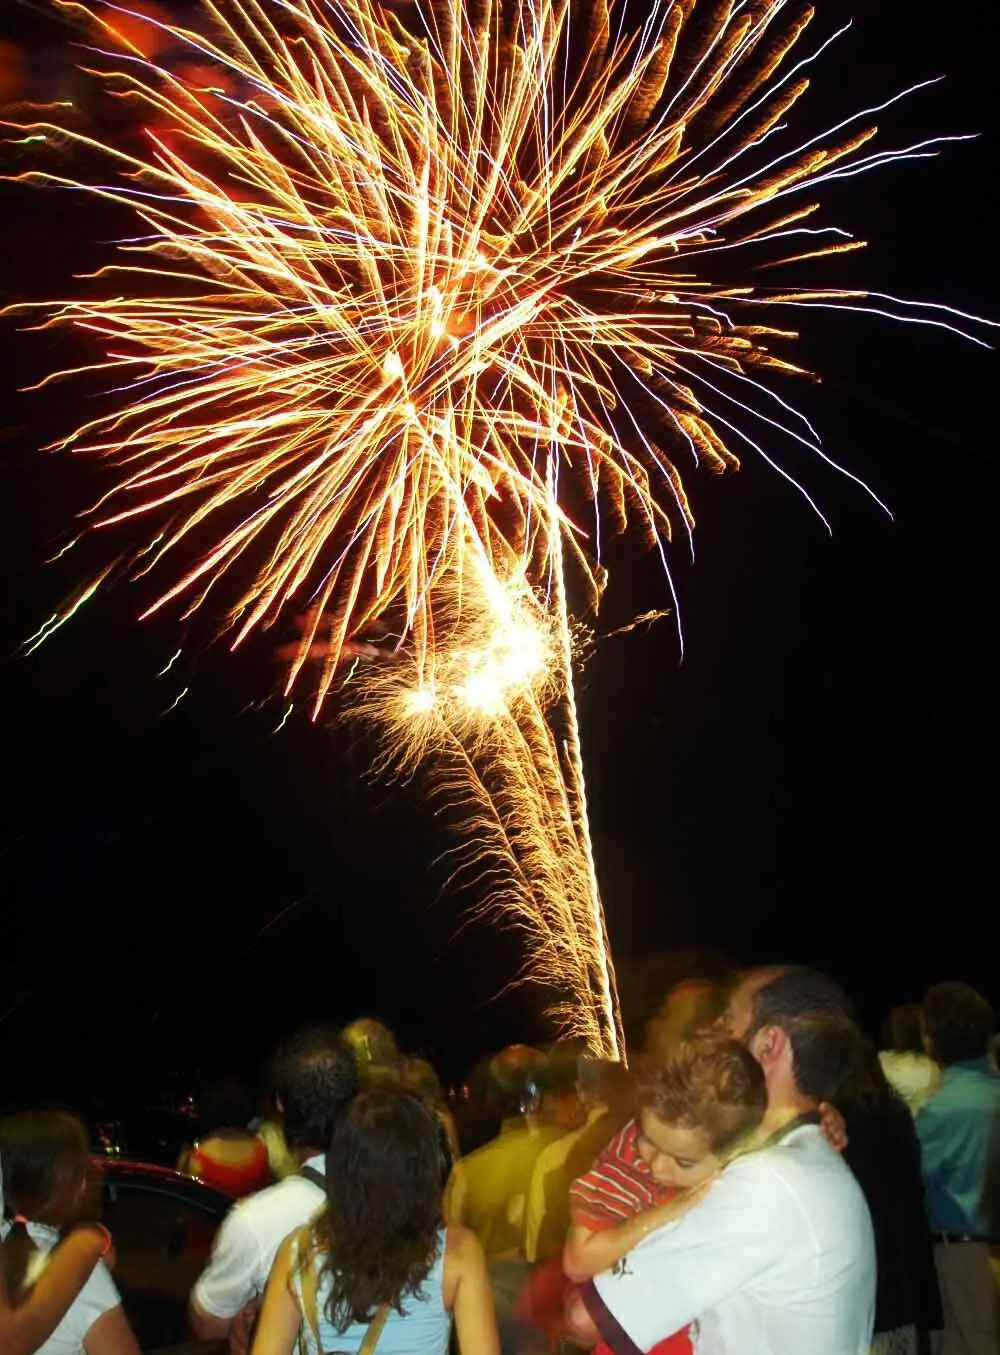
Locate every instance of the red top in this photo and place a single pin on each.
(617, 1187)
(235, 1179)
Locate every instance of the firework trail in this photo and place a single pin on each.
(412, 291)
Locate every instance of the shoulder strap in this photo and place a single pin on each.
(303, 1257)
(317, 1178)
(374, 1330)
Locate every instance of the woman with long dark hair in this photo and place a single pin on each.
(378, 1267)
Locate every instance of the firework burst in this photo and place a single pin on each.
(411, 290)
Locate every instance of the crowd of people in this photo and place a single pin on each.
(759, 1182)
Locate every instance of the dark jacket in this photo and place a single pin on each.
(884, 1155)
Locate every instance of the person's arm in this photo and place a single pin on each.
(588, 1251)
(936, 1146)
(580, 1327)
(24, 1328)
(111, 1335)
(468, 1294)
(534, 1209)
(228, 1283)
(278, 1325)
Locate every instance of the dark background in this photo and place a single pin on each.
(814, 781)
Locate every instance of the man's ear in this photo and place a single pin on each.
(768, 1045)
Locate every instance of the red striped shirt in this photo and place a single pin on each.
(618, 1186)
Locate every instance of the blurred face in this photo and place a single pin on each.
(676, 1156)
(565, 1110)
(68, 1197)
(682, 1013)
(737, 1018)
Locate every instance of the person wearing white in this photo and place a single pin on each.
(913, 1077)
(777, 1259)
(97, 1297)
(778, 1256)
(315, 1078)
(248, 1242)
(44, 1157)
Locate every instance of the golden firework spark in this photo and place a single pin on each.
(411, 288)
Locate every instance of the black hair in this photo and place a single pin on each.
(40, 1150)
(223, 1103)
(834, 1060)
(817, 1016)
(958, 1021)
(560, 1072)
(902, 1030)
(607, 1083)
(379, 1232)
(796, 991)
(315, 1075)
(515, 1079)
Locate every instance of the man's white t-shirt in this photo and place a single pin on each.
(97, 1297)
(248, 1242)
(777, 1259)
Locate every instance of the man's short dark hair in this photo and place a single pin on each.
(817, 1016)
(795, 992)
(958, 1021)
(315, 1076)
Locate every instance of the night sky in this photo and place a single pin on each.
(813, 782)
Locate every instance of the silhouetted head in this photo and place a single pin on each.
(315, 1075)
(958, 1023)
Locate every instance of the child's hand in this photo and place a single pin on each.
(833, 1125)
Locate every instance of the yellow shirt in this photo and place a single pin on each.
(488, 1189)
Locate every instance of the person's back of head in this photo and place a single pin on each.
(835, 1061)
(376, 1052)
(605, 1084)
(560, 1103)
(223, 1103)
(315, 1076)
(420, 1077)
(514, 1076)
(815, 1018)
(798, 991)
(708, 1083)
(903, 1030)
(958, 1023)
(379, 1230)
(43, 1158)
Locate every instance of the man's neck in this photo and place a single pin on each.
(302, 1155)
(783, 1107)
